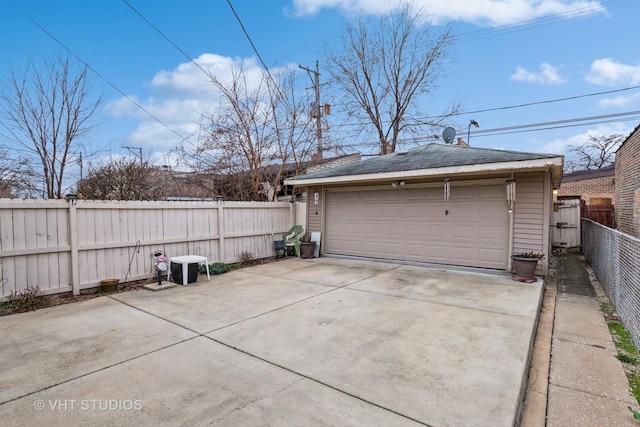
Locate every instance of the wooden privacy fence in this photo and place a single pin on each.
(65, 246)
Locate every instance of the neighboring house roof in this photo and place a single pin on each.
(434, 159)
(590, 174)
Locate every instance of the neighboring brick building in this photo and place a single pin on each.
(595, 187)
(627, 198)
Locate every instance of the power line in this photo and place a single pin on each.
(117, 89)
(548, 101)
(541, 21)
(186, 55)
(556, 122)
(206, 72)
(509, 107)
(531, 127)
(253, 46)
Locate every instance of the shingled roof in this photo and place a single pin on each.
(433, 157)
(590, 174)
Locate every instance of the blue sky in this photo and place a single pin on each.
(507, 52)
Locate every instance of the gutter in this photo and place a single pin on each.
(554, 164)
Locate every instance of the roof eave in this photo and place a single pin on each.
(553, 164)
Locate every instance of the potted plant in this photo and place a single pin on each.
(525, 264)
(109, 285)
(307, 247)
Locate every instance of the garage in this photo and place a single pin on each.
(440, 203)
(417, 224)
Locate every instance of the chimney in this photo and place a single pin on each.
(461, 143)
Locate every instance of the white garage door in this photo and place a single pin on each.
(416, 224)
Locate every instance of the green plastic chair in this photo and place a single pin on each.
(292, 238)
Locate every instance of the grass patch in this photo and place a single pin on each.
(622, 338)
(607, 308)
(218, 268)
(627, 352)
(626, 359)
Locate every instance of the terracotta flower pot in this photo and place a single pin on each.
(525, 269)
(307, 249)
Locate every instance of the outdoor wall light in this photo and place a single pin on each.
(447, 189)
(511, 193)
(72, 198)
(397, 183)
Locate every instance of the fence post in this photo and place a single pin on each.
(221, 232)
(73, 230)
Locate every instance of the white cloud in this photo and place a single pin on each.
(547, 75)
(488, 12)
(193, 78)
(621, 101)
(179, 97)
(561, 146)
(608, 72)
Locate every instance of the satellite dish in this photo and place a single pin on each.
(448, 135)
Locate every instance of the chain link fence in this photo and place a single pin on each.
(615, 259)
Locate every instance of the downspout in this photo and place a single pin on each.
(292, 212)
(511, 205)
(547, 212)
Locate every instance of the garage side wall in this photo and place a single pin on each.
(315, 206)
(530, 221)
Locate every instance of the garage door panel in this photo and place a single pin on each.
(414, 231)
(413, 211)
(370, 212)
(487, 255)
(490, 212)
(390, 229)
(410, 224)
(462, 193)
(352, 245)
(390, 247)
(370, 246)
(460, 251)
(465, 232)
(438, 231)
(493, 192)
(413, 249)
(369, 227)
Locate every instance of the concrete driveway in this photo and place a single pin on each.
(298, 342)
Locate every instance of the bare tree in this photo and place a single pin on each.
(384, 68)
(259, 132)
(596, 153)
(123, 178)
(16, 176)
(45, 111)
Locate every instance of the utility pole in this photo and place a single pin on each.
(317, 113)
(80, 162)
(135, 148)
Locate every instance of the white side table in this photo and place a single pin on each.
(185, 260)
